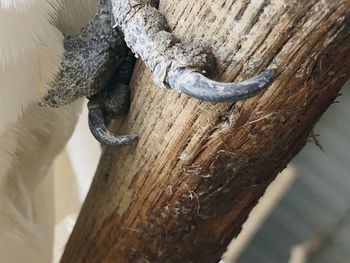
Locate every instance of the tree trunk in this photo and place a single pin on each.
(183, 191)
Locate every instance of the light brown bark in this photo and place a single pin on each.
(182, 192)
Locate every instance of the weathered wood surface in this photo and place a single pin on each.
(184, 189)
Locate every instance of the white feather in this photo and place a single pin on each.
(31, 49)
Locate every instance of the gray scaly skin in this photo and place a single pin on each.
(173, 64)
(93, 57)
(90, 60)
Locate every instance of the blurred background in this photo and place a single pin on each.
(304, 215)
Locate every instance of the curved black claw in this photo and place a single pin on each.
(200, 87)
(100, 131)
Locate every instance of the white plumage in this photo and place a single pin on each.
(31, 49)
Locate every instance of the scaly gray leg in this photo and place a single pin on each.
(90, 60)
(96, 62)
(92, 57)
(174, 64)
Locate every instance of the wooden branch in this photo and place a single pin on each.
(183, 191)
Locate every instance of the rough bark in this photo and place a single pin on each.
(182, 192)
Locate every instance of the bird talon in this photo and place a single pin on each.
(196, 85)
(100, 130)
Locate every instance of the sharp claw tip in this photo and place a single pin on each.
(100, 131)
(266, 78)
(133, 137)
(271, 73)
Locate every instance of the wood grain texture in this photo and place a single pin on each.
(182, 192)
